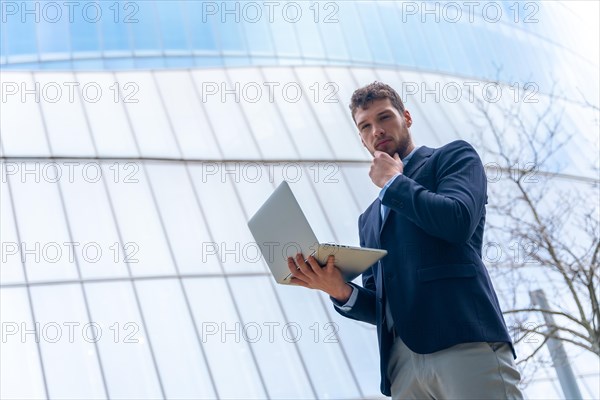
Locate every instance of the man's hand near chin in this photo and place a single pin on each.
(327, 278)
(384, 167)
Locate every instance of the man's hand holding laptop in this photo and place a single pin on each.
(312, 275)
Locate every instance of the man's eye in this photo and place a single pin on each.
(385, 117)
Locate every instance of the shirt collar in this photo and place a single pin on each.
(409, 156)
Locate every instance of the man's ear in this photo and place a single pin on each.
(407, 118)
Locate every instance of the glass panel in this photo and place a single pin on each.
(178, 62)
(358, 47)
(84, 32)
(143, 25)
(229, 357)
(185, 226)
(115, 27)
(202, 34)
(460, 104)
(346, 86)
(471, 122)
(550, 79)
(187, 115)
(354, 335)
(45, 242)
(118, 64)
(20, 368)
(12, 267)
(21, 123)
(292, 101)
(331, 30)
(147, 115)
(501, 49)
(464, 32)
(257, 103)
(255, 26)
(255, 185)
(440, 48)
(324, 357)
(509, 57)
(93, 64)
(591, 385)
(322, 96)
(221, 102)
(585, 121)
(150, 60)
(439, 106)
(458, 60)
(145, 246)
(307, 32)
(229, 32)
(124, 346)
(413, 29)
(52, 25)
(365, 191)
(339, 205)
(580, 31)
(232, 241)
(3, 42)
(67, 338)
(68, 136)
(272, 338)
(97, 248)
(367, 17)
(207, 61)
(21, 29)
(393, 30)
(177, 349)
(56, 65)
(170, 26)
(362, 77)
(236, 61)
(106, 114)
(282, 27)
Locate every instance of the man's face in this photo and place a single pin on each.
(382, 127)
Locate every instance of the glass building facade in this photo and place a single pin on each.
(138, 138)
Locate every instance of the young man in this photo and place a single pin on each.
(440, 329)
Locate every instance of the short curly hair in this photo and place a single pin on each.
(365, 95)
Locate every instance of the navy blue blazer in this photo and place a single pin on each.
(433, 277)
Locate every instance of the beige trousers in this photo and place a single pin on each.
(477, 370)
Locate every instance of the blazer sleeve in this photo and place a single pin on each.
(454, 210)
(364, 308)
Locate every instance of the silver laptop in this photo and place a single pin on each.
(281, 231)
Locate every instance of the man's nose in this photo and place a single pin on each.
(377, 131)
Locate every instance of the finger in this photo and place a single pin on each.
(294, 268)
(397, 157)
(331, 261)
(292, 265)
(381, 155)
(299, 282)
(330, 264)
(306, 270)
(314, 265)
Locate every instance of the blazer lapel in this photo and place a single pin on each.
(373, 219)
(417, 160)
